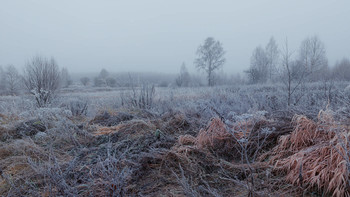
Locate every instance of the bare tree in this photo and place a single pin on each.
(85, 80)
(111, 82)
(183, 80)
(101, 79)
(210, 58)
(341, 70)
(42, 79)
(99, 82)
(236, 79)
(258, 71)
(2, 80)
(287, 77)
(65, 78)
(103, 74)
(12, 79)
(328, 79)
(293, 73)
(272, 54)
(313, 56)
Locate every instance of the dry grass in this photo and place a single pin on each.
(13, 163)
(227, 140)
(312, 156)
(186, 140)
(6, 119)
(215, 135)
(132, 128)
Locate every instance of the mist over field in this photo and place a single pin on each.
(183, 98)
(158, 36)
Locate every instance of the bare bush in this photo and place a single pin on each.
(78, 107)
(42, 79)
(185, 184)
(55, 176)
(85, 80)
(114, 177)
(142, 98)
(250, 145)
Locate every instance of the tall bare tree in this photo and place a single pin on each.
(101, 79)
(103, 74)
(2, 80)
(312, 55)
(12, 79)
(210, 57)
(66, 79)
(111, 82)
(183, 80)
(287, 75)
(258, 71)
(272, 54)
(85, 80)
(42, 79)
(293, 73)
(341, 70)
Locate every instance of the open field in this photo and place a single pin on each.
(174, 98)
(219, 141)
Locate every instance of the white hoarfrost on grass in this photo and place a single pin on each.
(209, 141)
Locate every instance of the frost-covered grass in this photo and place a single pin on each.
(121, 142)
(225, 99)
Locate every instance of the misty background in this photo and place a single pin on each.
(157, 36)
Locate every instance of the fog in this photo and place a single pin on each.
(158, 35)
(174, 98)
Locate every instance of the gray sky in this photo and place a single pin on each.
(158, 35)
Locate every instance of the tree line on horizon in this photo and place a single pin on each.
(269, 64)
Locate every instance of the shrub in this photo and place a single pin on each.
(42, 79)
(78, 107)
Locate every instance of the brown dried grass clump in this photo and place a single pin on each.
(21, 147)
(215, 135)
(304, 134)
(130, 128)
(14, 165)
(312, 156)
(173, 123)
(7, 119)
(106, 130)
(187, 140)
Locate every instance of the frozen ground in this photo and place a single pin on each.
(220, 141)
